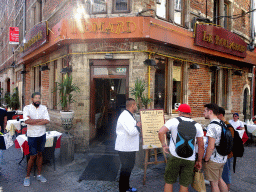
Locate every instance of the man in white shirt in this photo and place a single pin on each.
(178, 166)
(36, 117)
(213, 161)
(127, 143)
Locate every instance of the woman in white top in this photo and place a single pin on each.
(236, 123)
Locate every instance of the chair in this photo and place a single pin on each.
(23, 129)
(49, 153)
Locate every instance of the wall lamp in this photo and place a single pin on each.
(44, 68)
(239, 73)
(23, 72)
(194, 66)
(150, 62)
(214, 68)
(66, 70)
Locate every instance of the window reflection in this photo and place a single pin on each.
(177, 11)
(159, 98)
(177, 84)
(99, 6)
(161, 8)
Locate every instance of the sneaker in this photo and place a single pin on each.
(27, 181)
(41, 178)
(207, 182)
(131, 190)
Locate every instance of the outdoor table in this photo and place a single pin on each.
(22, 143)
(243, 135)
(251, 129)
(13, 125)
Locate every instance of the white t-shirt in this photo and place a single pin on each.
(172, 125)
(236, 124)
(35, 113)
(214, 131)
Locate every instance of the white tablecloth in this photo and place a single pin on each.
(13, 125)
(251, 129)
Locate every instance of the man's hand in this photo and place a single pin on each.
(166, 149)
(198, 165)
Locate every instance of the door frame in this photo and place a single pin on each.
(96, 63)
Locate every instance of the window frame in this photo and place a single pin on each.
(125, 11)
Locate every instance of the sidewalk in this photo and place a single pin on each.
(65, 178)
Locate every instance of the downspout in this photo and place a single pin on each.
(24, 68)
(252, 91)
(149, 78)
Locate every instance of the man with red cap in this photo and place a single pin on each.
(184, 132)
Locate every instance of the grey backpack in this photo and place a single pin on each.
(185, 141)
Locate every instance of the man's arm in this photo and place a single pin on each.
(162, 137)
(36, 121)
(200, 143)
(210, 148)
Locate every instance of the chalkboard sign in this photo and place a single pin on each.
(152, 120)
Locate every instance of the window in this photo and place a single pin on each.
(121, 6)
(99, 6)
(224, 88)
(243, 18)
(218, 17)
(55, 80)
(177, 84)
(171, 10)
(214, 86)
(18, 76)
(159, 97)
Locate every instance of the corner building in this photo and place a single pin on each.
(186, 51)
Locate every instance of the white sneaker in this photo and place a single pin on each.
(207, 182)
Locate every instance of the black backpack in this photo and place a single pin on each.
(226, 139)
(185, 140)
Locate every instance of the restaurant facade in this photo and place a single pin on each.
(185, 53)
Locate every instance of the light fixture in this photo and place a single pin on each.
(239, 73)
(150, 62)
(23, 72)
(13, 64)
(109, 56)
(44, 68)
(194, 66)
(66, 70)
(214, 68)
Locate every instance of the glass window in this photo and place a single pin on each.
(161, 9)
(159, 97)
(216, 12)
(177, 84)
(121, 6)
(224, 88)
(55, 80)
(214, 86)
(99, 6)
(178, 12)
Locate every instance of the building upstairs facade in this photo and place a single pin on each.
(186, 51)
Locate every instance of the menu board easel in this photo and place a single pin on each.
(152, 120)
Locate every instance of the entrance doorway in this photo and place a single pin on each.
(109, 90)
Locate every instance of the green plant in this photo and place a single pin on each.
(66, 89)
(15, 103)
(137, 91)
(145, 101)
(7, 99)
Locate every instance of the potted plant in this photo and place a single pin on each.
(66, 89)
(137, 91)
(14, 101)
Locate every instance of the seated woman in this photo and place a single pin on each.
(236, 123)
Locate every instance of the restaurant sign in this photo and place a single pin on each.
(35, 38)
(220, 39)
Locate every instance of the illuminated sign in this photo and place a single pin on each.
(220, 39)
(34, 39)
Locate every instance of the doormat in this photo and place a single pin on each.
(101, 168)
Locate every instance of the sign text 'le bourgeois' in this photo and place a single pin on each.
(220, 39)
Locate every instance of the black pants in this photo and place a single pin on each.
(127, 163)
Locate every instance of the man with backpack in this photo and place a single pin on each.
(213, 160)
(184, 132)
(226, 174)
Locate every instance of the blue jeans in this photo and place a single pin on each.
(226, 174)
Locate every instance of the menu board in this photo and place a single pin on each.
(152, 121)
